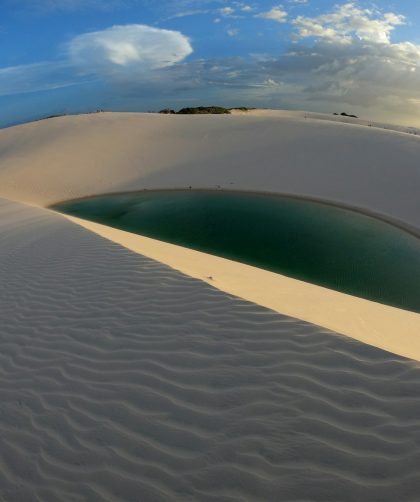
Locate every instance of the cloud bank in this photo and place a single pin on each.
(353, 60)
(347, 22)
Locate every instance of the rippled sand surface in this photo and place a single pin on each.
(122, 379)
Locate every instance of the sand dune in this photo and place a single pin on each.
(68, 157)
(284, 152)
(122, 379)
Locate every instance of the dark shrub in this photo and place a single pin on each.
(344, 114)
(203, 110)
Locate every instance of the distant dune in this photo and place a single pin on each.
(136, 370)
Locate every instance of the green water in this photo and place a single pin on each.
(318, 243)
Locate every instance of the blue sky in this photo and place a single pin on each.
(70, 56)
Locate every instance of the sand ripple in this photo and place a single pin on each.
(121, 379)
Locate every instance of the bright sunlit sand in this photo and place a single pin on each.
(134, 366)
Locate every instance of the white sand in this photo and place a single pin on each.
(123, 379)
(389, 328)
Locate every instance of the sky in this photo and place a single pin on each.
(73, 56)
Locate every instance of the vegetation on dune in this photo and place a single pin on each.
(344, 114)
(203, 109)
(200, 110)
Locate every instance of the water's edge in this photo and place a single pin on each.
(323, 243)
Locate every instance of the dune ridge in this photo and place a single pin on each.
(122, 379)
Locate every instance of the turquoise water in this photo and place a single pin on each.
(318, 243)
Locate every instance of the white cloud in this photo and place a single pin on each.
(353, 60)
(232, 32)
(188, 13)
(117, 54)
(276, 14)
(348, 21)
(226, 11)
(135, 46)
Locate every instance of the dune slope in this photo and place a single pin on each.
(68, 157)
(122, 379)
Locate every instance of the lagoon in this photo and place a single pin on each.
(320, 243)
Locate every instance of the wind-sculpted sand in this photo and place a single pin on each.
(122, 379)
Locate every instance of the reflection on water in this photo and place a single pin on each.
(318, 243)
